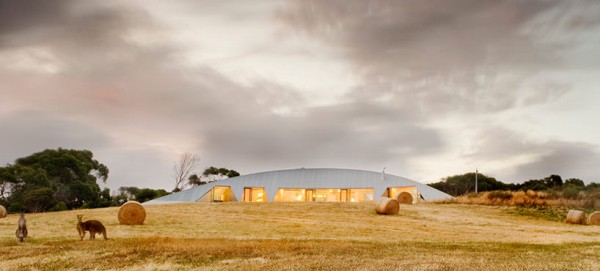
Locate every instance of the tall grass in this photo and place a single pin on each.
(530, 198)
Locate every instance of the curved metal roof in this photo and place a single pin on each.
(305, 178)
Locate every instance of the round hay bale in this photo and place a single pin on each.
(594, 218)
(387, 206)
(132, 213)
(404, 198)
(575, 217)
(2, 212)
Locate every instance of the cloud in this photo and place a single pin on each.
(27, 132)
(109, 77)
(514, 157)
(567, 159)
(450, 56)
(142, 107)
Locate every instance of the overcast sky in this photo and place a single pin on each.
(427, 89)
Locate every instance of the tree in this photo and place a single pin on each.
(194, 180)
(139, 194)
(553, 181)
(183, 168)
(128, 192)
(39, 199)
(536, 185)
(574, 182)
(462, 184)
(52, 177)
(550, 182)
(212, 174)
(146, 194)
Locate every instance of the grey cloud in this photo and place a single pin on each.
(29, 16)
(537, 159)
(467, 53)
(26, 132)
(414, 65)
(567, 159)
(144, 167)
(47, 23)
(328, 135)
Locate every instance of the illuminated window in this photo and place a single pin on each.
(255, 194)
(360, 195)
(221, 193)
(291, 195)
(323, 195)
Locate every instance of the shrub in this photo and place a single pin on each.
(501, 195)
(61, 206)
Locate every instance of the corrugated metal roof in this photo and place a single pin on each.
(309, 178)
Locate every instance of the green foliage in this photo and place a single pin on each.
(592, 186)
(51, 180)
(147, 194)
(463, 184)
(535, 185)
(194, 180)
(61, 206)
(39, 199)
(230, 173)
(552, 181)
(139, 194)
(575, 182)
(212, 174)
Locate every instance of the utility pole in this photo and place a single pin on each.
(476, 173)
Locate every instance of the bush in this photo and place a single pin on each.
(61, 206)
(500, 195)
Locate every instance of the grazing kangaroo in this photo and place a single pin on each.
(22, 229)
(93, 226)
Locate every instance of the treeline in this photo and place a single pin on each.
(459, 185)
(62, 179)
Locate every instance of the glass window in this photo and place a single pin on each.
(221, 193)
(291, 195)
(326, 195)
(254, 194)
(258, 195)
(360, 195)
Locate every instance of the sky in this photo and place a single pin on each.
(425, 89)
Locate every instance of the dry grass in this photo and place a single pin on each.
(594, 218)
(306, 236)
(527, 199)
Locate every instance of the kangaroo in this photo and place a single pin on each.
(21, 232)
(93, 226)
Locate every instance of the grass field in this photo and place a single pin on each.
(304, 236)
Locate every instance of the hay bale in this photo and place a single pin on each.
(132, 213)
(594, 218)
(387, 206)
(2, 212)
(575, 217)
(404, 198)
